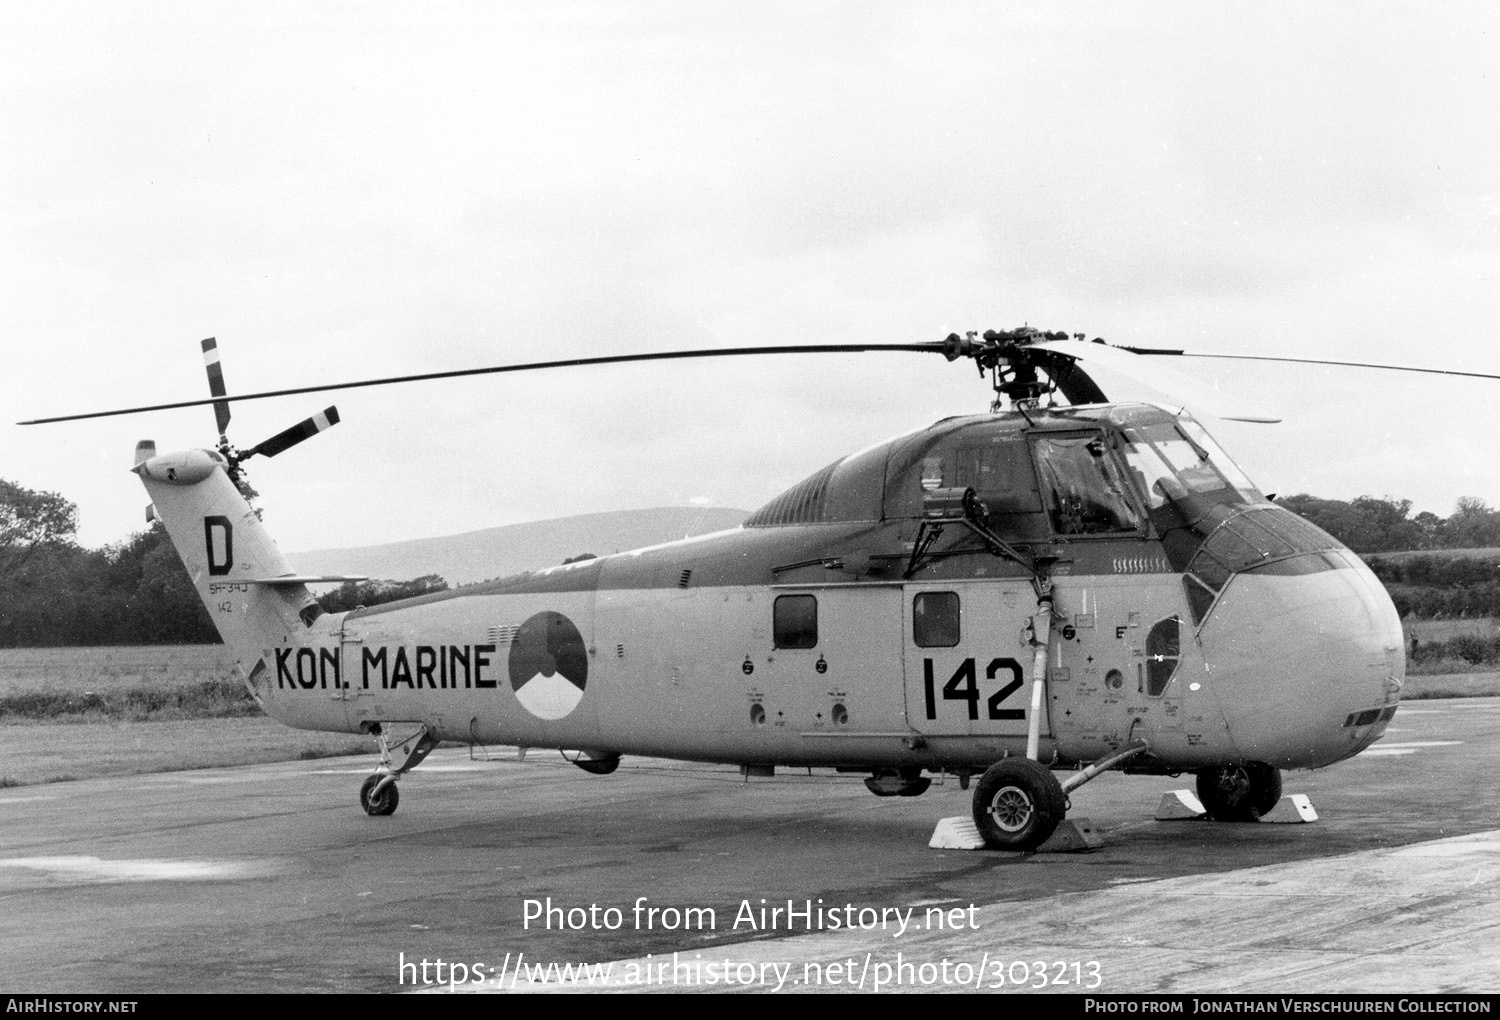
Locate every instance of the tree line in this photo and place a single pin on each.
(1436, 587)
(54, 592)
(1439, 582)
(1370, 525)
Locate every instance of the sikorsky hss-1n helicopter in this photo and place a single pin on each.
(1061, 585)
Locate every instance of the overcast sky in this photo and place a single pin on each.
(342, 191)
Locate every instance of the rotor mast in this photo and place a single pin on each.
(1016, 366)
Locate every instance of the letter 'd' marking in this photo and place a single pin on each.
(220, 560)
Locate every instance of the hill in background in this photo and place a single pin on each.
(497, 552)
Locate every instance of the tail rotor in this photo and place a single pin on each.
(279, 443)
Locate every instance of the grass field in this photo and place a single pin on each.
(1432, 632)
(82, 670)
(134, 683)
(1444, 630)
(1421, 687)
(51, 752)
(1480, 553)
(82, 713)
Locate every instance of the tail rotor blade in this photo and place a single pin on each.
(304, 429)
(216, 383)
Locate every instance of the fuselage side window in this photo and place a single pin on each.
(795, 621)
(935, 619)
(1163, 653)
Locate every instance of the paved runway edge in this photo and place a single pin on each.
(1423, 918)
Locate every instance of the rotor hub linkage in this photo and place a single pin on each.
(1010, 359)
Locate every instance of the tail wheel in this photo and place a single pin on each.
(382, 803)
(1017, 804)
(1239, 793)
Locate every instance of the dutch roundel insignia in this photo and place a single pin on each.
(549, 665)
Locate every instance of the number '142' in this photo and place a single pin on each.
(963, 685)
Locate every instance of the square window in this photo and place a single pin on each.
(794, 621)
(934, 619)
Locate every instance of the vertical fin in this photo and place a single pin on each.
(224, 545)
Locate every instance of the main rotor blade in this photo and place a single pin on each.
(216, 383)
(1328, 361)
(1186, 389)
(617, 359)
(305, 429)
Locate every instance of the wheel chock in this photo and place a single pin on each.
(1071, 836)
(1293, 808)
(1179, 805)
(956, 834)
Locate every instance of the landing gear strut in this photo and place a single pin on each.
(1239, 793)
(378, 794)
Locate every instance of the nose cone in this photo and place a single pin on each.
(1306, 658)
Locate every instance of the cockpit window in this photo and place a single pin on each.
(999, 472)
(1168, 465)
(1084, 487)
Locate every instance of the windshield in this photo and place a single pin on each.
(1220, 460)
(1169, 464)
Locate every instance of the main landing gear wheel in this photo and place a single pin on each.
(1017, 804)
(412, 751)
(382, 803)
(1239, 793)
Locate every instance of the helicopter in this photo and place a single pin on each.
(1062, 585)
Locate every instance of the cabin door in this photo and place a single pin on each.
(967, 661)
